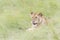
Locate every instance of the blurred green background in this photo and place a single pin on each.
(15, 19)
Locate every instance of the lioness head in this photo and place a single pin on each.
(36, 18)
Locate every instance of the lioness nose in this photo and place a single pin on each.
(33, 21)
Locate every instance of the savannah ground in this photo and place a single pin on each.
(15, 19)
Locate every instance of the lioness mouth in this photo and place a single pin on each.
(34, 23)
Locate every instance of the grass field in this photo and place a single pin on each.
(15, 19)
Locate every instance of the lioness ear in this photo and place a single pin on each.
(40, 14)
(31, 13)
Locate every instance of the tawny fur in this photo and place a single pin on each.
(37, 19)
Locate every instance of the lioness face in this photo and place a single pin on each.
(36, 18)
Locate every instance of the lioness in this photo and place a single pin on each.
(37, 19)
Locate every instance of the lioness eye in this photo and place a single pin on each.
(35, 17)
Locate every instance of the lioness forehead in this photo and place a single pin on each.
(35, 14)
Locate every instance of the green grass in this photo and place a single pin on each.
(15, 19)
